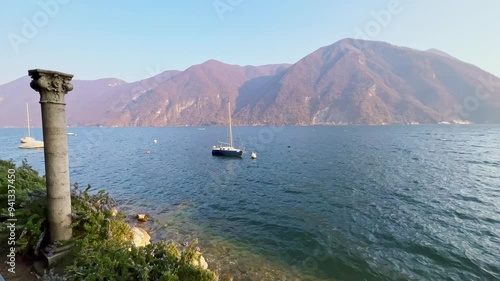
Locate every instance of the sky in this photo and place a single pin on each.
(133, 40)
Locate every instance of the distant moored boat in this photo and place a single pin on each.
(227, 149)
(29, 142)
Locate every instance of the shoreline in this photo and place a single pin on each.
(450, 123)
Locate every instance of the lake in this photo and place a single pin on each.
(319, 203)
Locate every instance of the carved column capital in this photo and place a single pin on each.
(51, 85)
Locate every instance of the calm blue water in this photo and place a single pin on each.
(319, 203)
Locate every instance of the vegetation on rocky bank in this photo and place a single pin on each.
(103, 242)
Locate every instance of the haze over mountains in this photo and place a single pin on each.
(349, 82)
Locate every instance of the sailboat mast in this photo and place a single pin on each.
(230, 129)
(28, 116)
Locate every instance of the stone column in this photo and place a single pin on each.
(52, 87)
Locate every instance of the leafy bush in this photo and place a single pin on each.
(105, 250)
(30, 206)
(102, 242)
(26, 181)
(156, 261)
(92, 217)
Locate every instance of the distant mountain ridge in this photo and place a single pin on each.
(349, 82)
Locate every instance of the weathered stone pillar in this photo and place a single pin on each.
(52, 87)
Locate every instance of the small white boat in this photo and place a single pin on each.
(254, 155)
(71, 134)
(155, 141)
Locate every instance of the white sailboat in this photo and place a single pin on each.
(29, 141)
(27, 138)
(227, 149)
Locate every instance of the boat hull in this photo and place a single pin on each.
(32, 145)
(227, 153)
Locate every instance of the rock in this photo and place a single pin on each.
(142, 217)
(140, 237)
(199, 260)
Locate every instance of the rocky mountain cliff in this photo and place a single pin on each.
(349, 82)
(366, 82)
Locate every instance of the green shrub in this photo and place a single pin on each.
(29, 207)
(92, 217)
(157, 261)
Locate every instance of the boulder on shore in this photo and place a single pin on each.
(140, 237)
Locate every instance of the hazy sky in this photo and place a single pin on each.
(132, 40)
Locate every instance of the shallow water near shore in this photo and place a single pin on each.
(319, 203)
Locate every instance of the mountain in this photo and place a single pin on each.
(197, 96)
(349, 82)
(440, 53)
(84, 104)
(367, 82)
(90, 102)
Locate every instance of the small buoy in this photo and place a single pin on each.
(254, 155)
(148, 152)
(155, 141)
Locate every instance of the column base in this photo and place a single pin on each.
(54, 253)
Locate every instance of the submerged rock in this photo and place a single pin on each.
(140, 237)
(142, 217)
